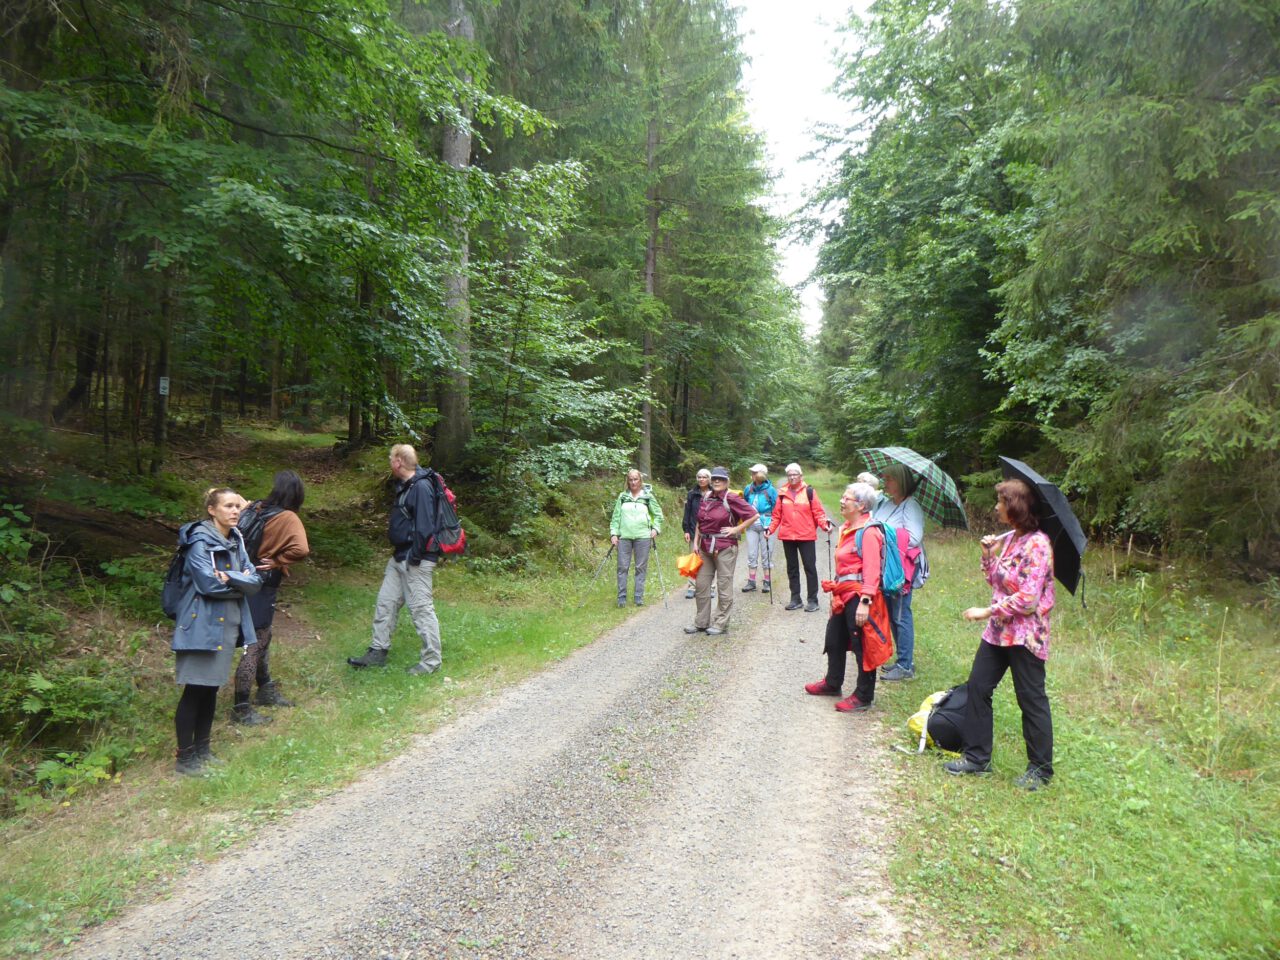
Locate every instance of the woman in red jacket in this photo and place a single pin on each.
(797, 517)
(859, 615)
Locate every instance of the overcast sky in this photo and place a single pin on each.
(791, 46)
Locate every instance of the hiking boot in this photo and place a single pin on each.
(245, 715)
(1031, 781)
(749, 587)
(207, 756)
(188, 764)
(765, 588)
(851, 704)
(622, 603)
(372, 657)
(896, 673)
(420, 670)
(963, 767)
(695, 629)
(269, 695)
(795, 604)
(639, 601)
(688, 594)
(820, 688)
(811, 605)
(714, 631)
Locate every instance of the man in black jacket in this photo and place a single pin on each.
(408, 576)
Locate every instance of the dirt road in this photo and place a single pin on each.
(654, 795)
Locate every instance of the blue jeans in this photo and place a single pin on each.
(903, 624)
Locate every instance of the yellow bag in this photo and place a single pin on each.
(688, 564)
(918, 722)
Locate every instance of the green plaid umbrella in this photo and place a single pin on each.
(936, 492)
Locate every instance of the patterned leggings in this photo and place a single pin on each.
(254, 665)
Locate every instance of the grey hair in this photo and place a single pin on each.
(863, 494)
(793, 466)
(870, 479)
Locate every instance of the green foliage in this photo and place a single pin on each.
(114, 495)
(1059, 232)
(134, 584)
(69, 771)
(645, 95)
(14, 535)
(65, 697)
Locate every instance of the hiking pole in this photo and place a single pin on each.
(662, 583)
(768, 555)
(596, 576)
(830, 573)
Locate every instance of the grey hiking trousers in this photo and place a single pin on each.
(401, 585)
(627, 549)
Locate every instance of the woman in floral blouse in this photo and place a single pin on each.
(1019, 567)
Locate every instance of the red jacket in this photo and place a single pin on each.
(796, 515)
(848, 561)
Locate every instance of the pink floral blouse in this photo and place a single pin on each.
(1022, 594)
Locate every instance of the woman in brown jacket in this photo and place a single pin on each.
(284, 541)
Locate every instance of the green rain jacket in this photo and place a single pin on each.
(634, 517)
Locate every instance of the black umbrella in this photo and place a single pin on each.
(1056, 520)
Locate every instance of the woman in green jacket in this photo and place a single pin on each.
(636, 521)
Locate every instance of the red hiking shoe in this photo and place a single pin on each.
(851, 704)
(820, 688)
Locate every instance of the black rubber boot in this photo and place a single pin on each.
(206, 755)
(245, 715)
(188, 764)
(269, 695)
(371, 658)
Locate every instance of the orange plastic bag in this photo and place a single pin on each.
(688, 565)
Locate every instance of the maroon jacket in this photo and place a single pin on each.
(716, 512)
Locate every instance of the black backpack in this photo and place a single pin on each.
(252, 524)
(946, 721)
(175, 580)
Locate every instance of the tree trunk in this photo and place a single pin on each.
(650, 288)
(86, 364)
(274, 402)
(106, 388)
(160, 426)
(215, 396)
(454, 428)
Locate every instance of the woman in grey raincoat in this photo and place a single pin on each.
(213, 614)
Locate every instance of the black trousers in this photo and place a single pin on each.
(193, 719)
(806, 552)
(840, 628)
(989, 666)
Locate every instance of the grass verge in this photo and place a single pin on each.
(1159, 836)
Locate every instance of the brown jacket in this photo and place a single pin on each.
(284, 540)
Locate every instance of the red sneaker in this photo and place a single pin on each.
(851, 704)
(820, 688)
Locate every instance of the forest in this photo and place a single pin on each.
(531, 235)
(534, 238)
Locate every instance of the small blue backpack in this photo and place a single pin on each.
(891, 574)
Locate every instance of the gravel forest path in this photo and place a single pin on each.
(654, 795)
